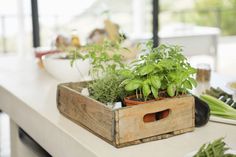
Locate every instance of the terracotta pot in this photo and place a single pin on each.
(164, 113)
(130, 101)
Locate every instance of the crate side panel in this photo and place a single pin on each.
(154, 138)
(132, 127)
(85, 111)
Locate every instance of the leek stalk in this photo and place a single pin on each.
(219, 108)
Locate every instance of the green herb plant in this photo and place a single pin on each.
(163, 68)
(215, 149)
(106, 89)
(105, 59)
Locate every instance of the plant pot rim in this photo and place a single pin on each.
(128, 98)
(129, 101)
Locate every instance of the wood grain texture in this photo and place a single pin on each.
(132, 127)
(83, 110)
(125, 126)
(154, 138)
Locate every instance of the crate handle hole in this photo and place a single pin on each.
(152, 117)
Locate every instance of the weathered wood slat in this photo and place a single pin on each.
(131, 119)
(154, 138)
(86, 111)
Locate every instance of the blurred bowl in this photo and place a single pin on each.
(40, 53)
(60, 68)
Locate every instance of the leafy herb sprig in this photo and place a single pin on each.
(106, 89)
(215, 149)
(163, 68)
(105, 58)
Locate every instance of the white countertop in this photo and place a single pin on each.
(28, 95)
(185, 30)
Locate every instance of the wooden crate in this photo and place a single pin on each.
(125, 126)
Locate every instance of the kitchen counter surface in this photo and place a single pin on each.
(28, 96)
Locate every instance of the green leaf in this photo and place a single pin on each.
(192, 70)
(155, 81)
(133, 85)
(193, 82)
(173, 75)
(125, 82)
(167, 63)
(187, 84)
(171, 90)
(126, 73)
(146, 90)
(154, 92)
(146, 69)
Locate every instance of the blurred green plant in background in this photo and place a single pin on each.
(215, 13)
(222, 13)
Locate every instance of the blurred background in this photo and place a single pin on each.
(203, 28)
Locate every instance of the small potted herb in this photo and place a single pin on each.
(104, 57)
(163, 72)
(106, 89)
(105, 60)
